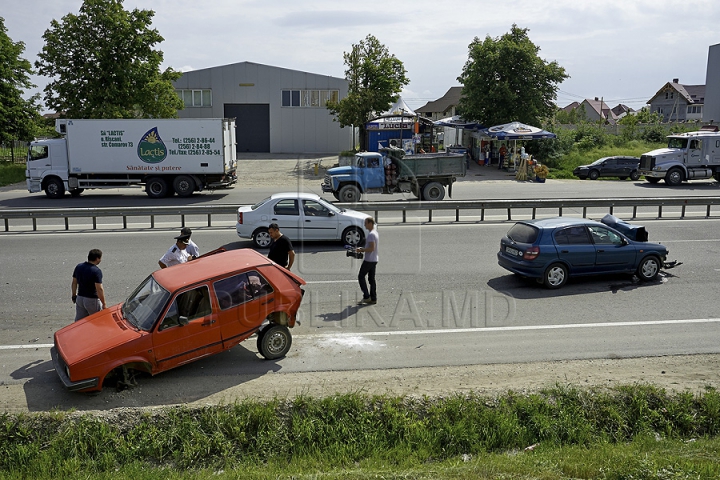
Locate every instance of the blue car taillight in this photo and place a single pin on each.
(531, 253)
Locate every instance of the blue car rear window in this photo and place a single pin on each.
(523, 233)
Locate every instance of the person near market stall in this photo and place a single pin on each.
(503, 153)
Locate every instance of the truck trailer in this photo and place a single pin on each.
(688, 156)
(391, 171)
(167, 156)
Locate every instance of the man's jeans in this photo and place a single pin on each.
(368, 268)
(85, 306)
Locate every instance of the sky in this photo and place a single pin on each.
(622, 51)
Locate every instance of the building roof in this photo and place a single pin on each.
(692, 94)
(444, 103)
(601, 108)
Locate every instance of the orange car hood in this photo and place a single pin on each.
(93, 335)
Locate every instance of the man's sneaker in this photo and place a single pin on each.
(369, 301)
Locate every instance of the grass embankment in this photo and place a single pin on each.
(631, 432)
(11, 173)
(576, 157)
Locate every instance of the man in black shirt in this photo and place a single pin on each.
(281, 249)
(88, 293)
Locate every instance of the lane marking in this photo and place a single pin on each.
(459, 330)
(512, 329)
(26, 347)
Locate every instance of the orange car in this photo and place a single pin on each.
(180, 314)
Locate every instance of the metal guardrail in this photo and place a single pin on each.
(376, 207)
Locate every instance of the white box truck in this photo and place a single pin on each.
(167, 156)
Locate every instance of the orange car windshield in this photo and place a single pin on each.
(144, 306)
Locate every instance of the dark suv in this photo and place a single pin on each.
(621, 167)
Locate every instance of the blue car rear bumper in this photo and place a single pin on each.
(524, 268)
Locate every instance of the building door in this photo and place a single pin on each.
(252, 126)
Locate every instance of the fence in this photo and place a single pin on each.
(15, 151)
(473, 210)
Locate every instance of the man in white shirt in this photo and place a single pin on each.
(369, 263)
(177, 253)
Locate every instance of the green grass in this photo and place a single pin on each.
(11, 173)
(577, 157)
(631, 432)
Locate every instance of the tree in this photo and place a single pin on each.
(573, 117)
(18, 117)
(375, 79)
(504, 80)
(103, 65)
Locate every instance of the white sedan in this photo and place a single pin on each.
(302, 217)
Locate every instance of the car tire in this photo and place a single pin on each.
(674, 177)
(433, 192)
(156, 187)
(353, 236)
(184, 185)
(275, 341)
(555, 276)
(652, 180)
(261, 238)
(336, 195)
(593, 175)
(349, 194)
(649, 268)
(634, 175)
(260, 336)
(54, 188)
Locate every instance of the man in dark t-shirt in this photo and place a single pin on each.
(281, 249)
(88, 293)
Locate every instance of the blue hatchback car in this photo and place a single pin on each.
(552, 250)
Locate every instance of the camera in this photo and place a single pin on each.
(352, 252)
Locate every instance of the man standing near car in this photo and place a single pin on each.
(176, 254)
(281, 249)
(369, 263)
(88, 293)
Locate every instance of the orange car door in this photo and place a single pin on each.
(245, 300)
(189, 330)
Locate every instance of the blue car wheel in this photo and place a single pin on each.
(649, 269)
(555, 276)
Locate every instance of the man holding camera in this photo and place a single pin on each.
(369, 263)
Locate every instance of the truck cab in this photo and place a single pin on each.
(365, 174)
(47, 167)
(688, 156)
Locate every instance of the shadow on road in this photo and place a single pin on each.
(185, 384)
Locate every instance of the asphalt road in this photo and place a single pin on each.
(443, 301)
(266, 177)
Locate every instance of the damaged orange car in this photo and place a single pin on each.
(180, 314)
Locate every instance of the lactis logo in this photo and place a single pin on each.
(151, 148)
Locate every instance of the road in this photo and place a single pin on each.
(258, 179)
(443, 302)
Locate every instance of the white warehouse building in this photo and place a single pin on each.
(276, 110)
